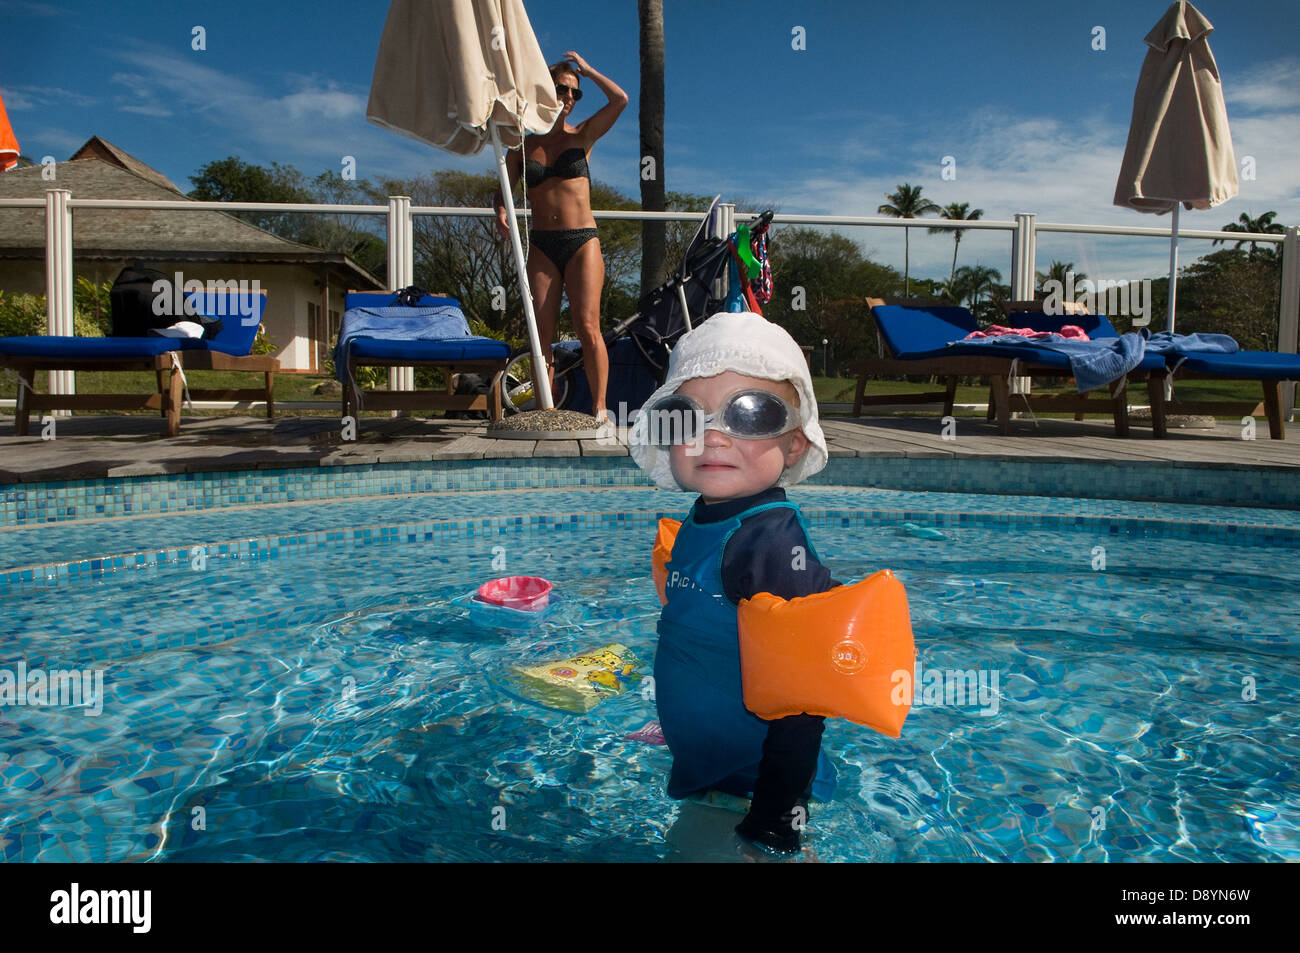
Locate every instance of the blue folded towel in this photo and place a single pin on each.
(434, 323)
(1164, 342)
(1093, 363)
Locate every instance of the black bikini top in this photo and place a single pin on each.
(571, 164)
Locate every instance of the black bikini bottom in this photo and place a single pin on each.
(560, 245)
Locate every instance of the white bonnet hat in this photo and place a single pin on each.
(747, 344)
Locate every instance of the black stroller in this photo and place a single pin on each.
(638, 362)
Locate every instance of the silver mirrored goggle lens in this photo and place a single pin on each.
(748, 415)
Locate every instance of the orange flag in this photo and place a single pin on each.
(8, 141)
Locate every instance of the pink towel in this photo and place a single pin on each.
(1070, 331)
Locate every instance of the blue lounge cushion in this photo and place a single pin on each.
(106, 349)
(919, 332)
(433, 332)
(240, 315)
(240, 318)
(1249, 365)
(450, 350)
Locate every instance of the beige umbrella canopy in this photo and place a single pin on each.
(458, 74)
(1179, 149)
(448, 68)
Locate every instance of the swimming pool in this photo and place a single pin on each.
(1116, 681)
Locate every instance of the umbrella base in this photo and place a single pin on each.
(546, 425)
(1141, 417)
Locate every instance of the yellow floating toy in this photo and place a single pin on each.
(582, 682)
(836, 653)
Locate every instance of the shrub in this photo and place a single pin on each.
(21, 315)
(24, 314)
(262, 344)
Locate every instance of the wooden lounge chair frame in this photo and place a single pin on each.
(1270, 407)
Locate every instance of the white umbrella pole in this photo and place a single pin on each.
(541, 379)
(1173, 270)
(1172, 308)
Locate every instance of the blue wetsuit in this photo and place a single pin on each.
(725, 552)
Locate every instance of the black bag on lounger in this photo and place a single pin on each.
(131, 305)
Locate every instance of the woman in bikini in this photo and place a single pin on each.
(564, 250)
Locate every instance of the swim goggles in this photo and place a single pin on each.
(746, 414)
(562, 88)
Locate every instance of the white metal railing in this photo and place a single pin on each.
(400, 214)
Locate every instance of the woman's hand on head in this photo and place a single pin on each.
(577, 61)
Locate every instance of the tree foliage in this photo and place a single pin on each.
(359, 237)
(906, 202)
(828, 275)
(956, 212)
(25, 314)
(822, 278)
(1265, 225)
(1226, 292)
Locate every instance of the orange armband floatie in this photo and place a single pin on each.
(836, 653)
(663, 551)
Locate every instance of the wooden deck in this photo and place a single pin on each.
(89, 447)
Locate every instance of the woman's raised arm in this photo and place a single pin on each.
(604, 118)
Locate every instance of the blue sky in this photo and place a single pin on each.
(1012, 89)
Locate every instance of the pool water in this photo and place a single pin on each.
(340, 702)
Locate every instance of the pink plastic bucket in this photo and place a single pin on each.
(525, 593)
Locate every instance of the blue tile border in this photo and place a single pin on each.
(29, 504)
(864, 516)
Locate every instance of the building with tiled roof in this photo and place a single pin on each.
(304, 285)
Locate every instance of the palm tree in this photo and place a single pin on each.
(650, 13)
(956, 212)
(906, 202)
(1058, 272)
(1262, 225)
(975, 281)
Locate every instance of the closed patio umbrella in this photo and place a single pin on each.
(8, 141)
(458, 74)
(1179, 149)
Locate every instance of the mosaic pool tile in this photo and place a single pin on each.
(78, 500)
(42, 555)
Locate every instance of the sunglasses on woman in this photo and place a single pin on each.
(561, 89)
(746, 414)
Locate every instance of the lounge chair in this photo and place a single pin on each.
(459, 352)
(167, 357)
(1270, 368)
(919, 340)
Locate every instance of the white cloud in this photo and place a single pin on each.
(319, 119)
(1062, 170)
(48, 141)
(20, 98)
(29, 8)
(1269, 88)
(319, 104)
(147, 110)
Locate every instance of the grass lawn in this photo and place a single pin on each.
(299, 387)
